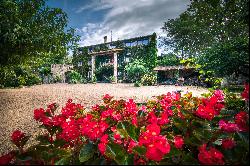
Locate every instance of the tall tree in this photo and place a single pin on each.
(207, 22)
(216, 32)
(29, 28)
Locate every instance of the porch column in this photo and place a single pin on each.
(93, 67)
(115, 66)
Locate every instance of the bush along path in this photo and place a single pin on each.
(169, 129)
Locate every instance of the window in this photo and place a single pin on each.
(145, 42)
(90, 49)
(134, 43)
(140, 42)
(128, 44)
(127, 59)
(79, 63)
(112, 46)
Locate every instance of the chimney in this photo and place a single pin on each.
(105, 39)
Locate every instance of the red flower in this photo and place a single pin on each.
(102, 147)
(130, 108)
(39, 114)
(131, 145)
(106, 113)
(180, 115)
(6, 159)
(245, 93)
(242, 119)
(17, 137)
(205, 112)
(116, 116)
(107, 98)
(103, 143)
(92, 128)
(210, 157)
(58, 120)
(104, 138)
(153, 129)
(152, 117)
(164, 118)
(117, 138)
(96, 107)
(228, 126)
(70, 130)
(153, 153)
(228, 143)
(134, 120)
(157, 145)
(178, 142)
(48, 122)
(139, 161)
(158, 148)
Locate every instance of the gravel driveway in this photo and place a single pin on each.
(17, 105)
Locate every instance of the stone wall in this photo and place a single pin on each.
(59, 70)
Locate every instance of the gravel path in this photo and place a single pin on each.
(17, 105)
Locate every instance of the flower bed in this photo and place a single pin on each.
(169, 129)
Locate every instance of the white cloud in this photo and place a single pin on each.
(130, 18)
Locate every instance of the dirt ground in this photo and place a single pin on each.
(17, 105)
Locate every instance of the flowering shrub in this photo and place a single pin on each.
(169, 129)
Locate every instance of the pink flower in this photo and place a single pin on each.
(143, 108)
(219, 95)
(178, 142)
(228, 126)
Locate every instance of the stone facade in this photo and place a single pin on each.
(59, 70)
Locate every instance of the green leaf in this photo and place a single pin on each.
(43, 140)
(63, 161)
(141, 150)
(123, 133)
(126, 129)
(188, 159)
(59, 142)
(86, 152)
(117, 153)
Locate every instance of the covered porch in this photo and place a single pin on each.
(174, 74)
(111, 52)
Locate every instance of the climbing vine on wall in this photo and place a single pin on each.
(80, 61)
(147, 53)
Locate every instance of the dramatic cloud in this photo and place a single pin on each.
(129, 18)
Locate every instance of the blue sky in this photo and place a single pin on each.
(94, 19)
